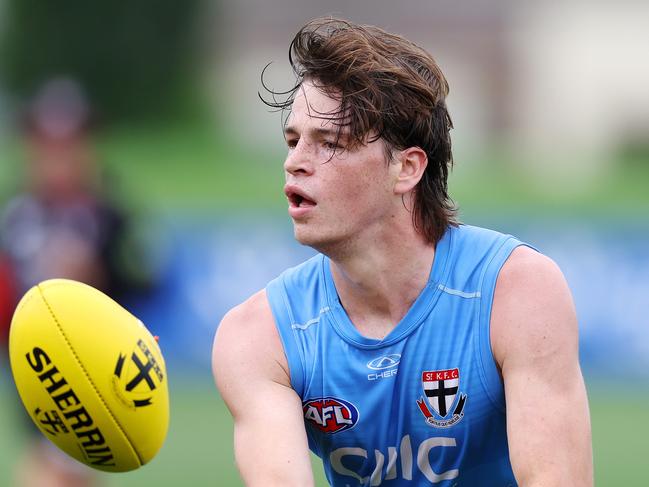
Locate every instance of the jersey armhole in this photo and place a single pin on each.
(283, 317)
(489, 373)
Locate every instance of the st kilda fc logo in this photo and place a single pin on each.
(441, 389)
(136, 376)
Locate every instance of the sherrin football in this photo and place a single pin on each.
(90, 375)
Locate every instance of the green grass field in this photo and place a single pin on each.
(198, 450)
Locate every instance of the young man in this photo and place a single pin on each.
(392, 353)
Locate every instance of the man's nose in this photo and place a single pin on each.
(299, 160)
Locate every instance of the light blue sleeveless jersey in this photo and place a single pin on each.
(423, 406)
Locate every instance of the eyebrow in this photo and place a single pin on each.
(316, 132)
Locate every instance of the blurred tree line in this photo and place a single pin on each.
(136, 58)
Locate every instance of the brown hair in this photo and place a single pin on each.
(389, 86)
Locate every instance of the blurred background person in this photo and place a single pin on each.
(63, 224)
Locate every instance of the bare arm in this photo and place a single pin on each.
(251, 372)
(535, 342)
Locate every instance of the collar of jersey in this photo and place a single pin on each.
(415, 315)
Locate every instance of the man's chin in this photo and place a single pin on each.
(319, 242)
(309, 237)
(304, 237)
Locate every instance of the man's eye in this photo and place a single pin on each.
(331, 145)
(291, 143)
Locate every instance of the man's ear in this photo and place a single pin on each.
(412, 164)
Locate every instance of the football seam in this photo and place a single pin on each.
(101, 398)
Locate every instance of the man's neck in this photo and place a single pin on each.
(378, 284)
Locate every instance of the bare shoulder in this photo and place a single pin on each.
(249, 362)
(533, 312)
(247, 347)
(535, 343)
(253, 315)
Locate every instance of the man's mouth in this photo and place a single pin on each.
(298, 199)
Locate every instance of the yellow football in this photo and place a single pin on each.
(90, 375)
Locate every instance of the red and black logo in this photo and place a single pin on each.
(330, 415)
(441, 388)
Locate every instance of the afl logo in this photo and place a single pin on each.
(385, 362)
(330, 415)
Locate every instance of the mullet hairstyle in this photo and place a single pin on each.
(387, 86)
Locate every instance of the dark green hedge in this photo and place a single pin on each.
(134, 57)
